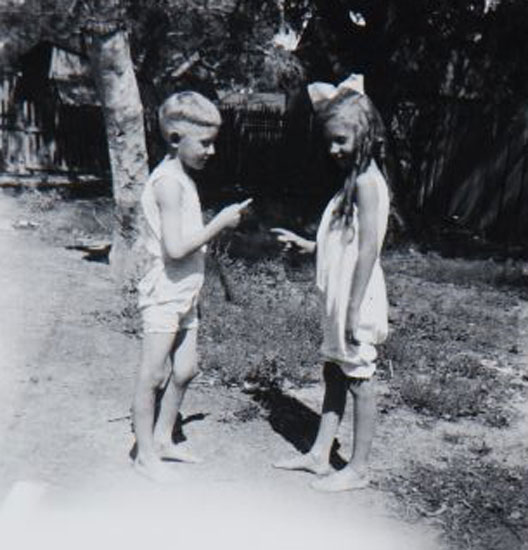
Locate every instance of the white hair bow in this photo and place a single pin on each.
(323, 91)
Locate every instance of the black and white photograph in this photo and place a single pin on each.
(264, 274)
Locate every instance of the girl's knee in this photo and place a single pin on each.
(362, 387)
(333, 375)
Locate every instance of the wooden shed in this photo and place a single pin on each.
(51, 125)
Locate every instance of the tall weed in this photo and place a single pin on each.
(479, 505)
(268, 333)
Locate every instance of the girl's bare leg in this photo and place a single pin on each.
(184, 369)
(317, 460)
(355, 474)
(364, 424)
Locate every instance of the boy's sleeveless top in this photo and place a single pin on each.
(337, 255)
(166, 279)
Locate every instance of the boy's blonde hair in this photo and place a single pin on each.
(182, 111)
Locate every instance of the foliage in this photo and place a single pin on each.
(479, 505)
(268, 334)
(453, 351)
(458, 78)
(282, 71)
(455, 387)
(458, 49)
(233, 40)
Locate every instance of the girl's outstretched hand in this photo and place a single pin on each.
(292, 240)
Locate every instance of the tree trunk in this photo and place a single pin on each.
(109, 52)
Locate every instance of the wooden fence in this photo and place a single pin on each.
(466, 169)
(24, 149)
(463, 166)
(262, 153)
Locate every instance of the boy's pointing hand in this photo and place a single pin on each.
(244, 205)
(231, 215)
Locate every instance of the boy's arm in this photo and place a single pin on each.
(177, 245)
(367, 205)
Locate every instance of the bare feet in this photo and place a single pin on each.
(346, 479)
(306, 462)
(177, 453)
(155, 470)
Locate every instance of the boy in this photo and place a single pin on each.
(174, 239)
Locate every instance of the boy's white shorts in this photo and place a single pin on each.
(168, 317)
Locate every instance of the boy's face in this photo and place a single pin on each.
(340, 141)
(196, 147)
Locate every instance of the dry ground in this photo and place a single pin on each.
(66, 385)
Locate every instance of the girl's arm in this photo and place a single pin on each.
(175, 244)
(304, 246)
(367, 207)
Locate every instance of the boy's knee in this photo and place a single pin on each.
(183, 377)
(153, 378)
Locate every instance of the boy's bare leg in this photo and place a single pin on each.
(184, 369)
(317, 460)
(355, 474)
(156, 348)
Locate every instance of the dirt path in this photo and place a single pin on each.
(66, 384)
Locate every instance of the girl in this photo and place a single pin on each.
(349, 279)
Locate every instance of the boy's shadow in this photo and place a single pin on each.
(178, 435)
(294, 421)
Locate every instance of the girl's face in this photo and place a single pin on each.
(340, 140)
(196, 147)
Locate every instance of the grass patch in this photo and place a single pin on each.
(479, 505)
(268, 334)
(453, 322)
(460, 387)
(508, 274)
(63, 221)
(449, 355)
(453, 343)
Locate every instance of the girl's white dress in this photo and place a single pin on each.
(337, 255)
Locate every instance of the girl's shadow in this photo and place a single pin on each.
(294, 421)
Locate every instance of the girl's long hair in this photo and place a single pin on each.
(359, 114)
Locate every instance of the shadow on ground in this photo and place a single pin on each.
(178, 436)
(294, 421)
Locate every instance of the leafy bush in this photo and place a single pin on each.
(38, 202)
(453, 336)
(479, 505)
(462, 273)
(64, 221)
(451, 393)
(437, 376)
(269, 333)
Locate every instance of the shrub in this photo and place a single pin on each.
(39, 202)
(479, 505)
(447, 327)
(268, 333)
